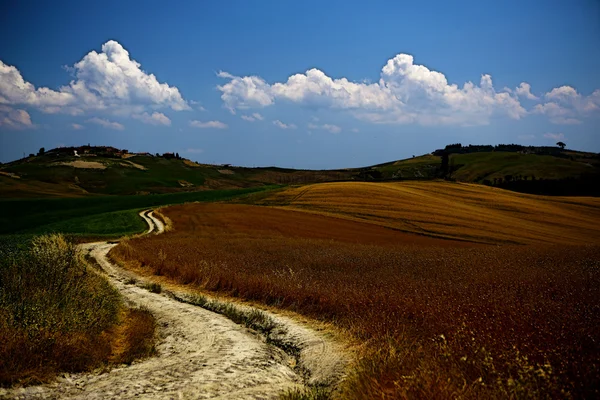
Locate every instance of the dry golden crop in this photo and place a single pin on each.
(440, 318)
(452, 210)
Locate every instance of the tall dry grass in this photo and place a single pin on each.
(439, 318)
(57, 315)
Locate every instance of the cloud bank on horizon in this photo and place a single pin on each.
(111, 83)
(408, 93)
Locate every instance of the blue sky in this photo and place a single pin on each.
(306, 84)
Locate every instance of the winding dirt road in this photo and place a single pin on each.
(201, 354)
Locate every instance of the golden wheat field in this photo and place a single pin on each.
(506, 309)
(452, 210)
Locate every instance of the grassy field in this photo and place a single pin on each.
(476, 167)
(437, 318)
(69, 176)
(451, 210)
(118, 176)
(421, 167)
(95, 216)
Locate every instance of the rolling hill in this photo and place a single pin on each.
(108, 171)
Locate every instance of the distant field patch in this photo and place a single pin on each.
(83, 164)
(10, 175)
(134, 165)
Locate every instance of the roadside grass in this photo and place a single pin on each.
(58, 315)
(436, 318)
(133, 338)
(153, 287)
(250, 318)
(312, 393)
(95, 216)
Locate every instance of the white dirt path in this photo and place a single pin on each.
(201, 354)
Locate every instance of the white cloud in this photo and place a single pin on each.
(524, 90)
(557, 113)
(198, 105)
(328, 127)
(208, 124)
(155, 118)
(554, 136)
(281, 125)
(253, 117)
(406, 93)
(246, 92)
(355, 130)
(106, 123)
(77, 127)
(109, 81)
(567, 107)
(332, 128)
(562, 93)
(248, 118)
(14, 118)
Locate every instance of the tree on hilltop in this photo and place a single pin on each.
(561, 145)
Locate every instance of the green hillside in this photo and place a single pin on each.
(108, 171)
(59, 173)
(490, 166)
(477, 167)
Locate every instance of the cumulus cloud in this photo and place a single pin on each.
(328, 127)
(108, 81)
(106, 123)
(524, 90)
(281, 125)
(155, 118)
(562, 93)
(208, 124)
(197, 105)
(554, 136)
(253, 117)
(405, 93)
(408, 93)
(332, 128)
(566, 106)
(11, 118)
(244, 92)
(77, 127)
(557, 113)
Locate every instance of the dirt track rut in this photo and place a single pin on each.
(201, 354)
